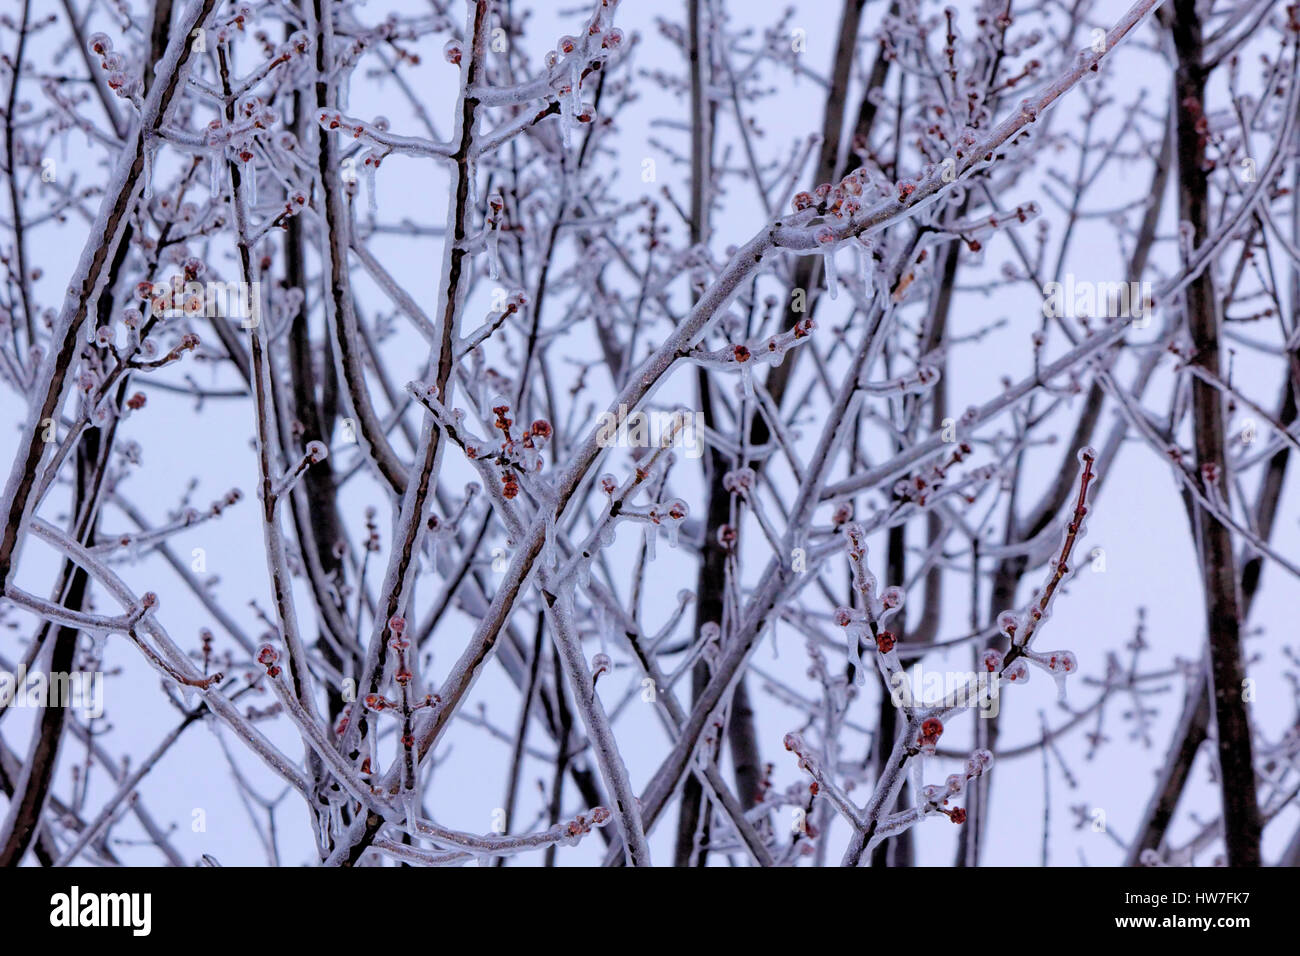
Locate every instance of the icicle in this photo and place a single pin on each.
(602, 630)
(866, 269)
(914, 774)
(1060, 686)
(494, 257)
(252, 184)
(584, 573)
(575, 104)
(411, 804)
(828, 263)
(747, 380)
(566, 120)
(325, 823)
(569, 102)
(651, 534)
(372, 198)
(214, 167)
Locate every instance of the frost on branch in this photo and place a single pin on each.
(681, 379)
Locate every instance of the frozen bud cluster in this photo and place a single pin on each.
(267, 656)
(1008, 622)
(120, 77)
(928, 738)
(865, 626)
(1017, 672)
(297, 45)
(740, 481)
(799, 747)
(1059, 664)
(581, 825)
(743, 356)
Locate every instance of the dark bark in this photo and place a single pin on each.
(1241, 819)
